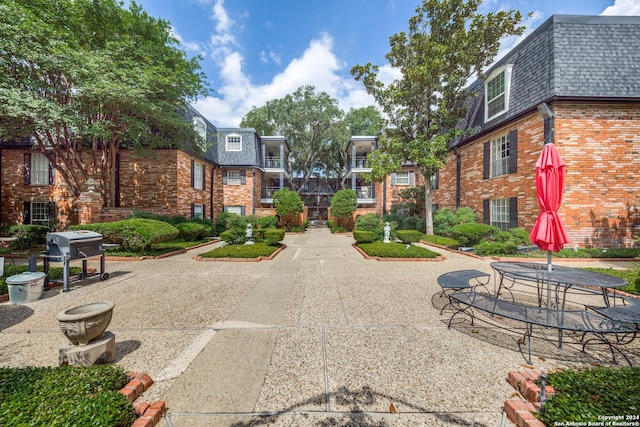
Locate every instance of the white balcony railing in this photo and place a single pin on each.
(273, 162)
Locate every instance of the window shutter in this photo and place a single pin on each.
(243, 178)
(26, 177)
(513, 212)
(51, 207)
(411, 177)
(486, 213)
(486, 160)
(512, 140)
(436, 181)
(193, 210)
(224, 209)
(242, 210)
(204, 177)
(204, 211)
(193, 173)
(52, 172)
(393, 178)
(26, 213)
(224, 178)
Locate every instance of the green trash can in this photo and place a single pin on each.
(25, 287)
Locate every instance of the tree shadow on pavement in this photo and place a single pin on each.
(12, 314)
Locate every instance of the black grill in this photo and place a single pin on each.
(66, 246)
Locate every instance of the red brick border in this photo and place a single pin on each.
(148, 414)
(521, 412)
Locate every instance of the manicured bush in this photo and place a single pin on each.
(443, 220)
(134, 234)
(191, 231)
(362, 236)
(270, 221)
(343, 204)
(442, 241)
(495, 248)
(473, 233)
(221, 222)
(272, 236)
(465, 215)
(171, 219)
(28, 236)
(520, 236)
(287, 204)
(241, 251)
(233, 236)
(65, 396)
(396, 250)
(409, 236)
(369, 222)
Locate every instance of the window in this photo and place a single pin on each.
(234, 143)
(197, 211)
(503, 213)
(402, 178)
(198, 176)
(497, 92)
(200, 127)
(234, 178)
(39, 169)
(499, 156)
(238, 210)
(41, 213)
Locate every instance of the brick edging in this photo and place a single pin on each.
(521, 412)
(257, 259)
(148, 414)
(439, 258)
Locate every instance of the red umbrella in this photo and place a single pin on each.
(548, 232)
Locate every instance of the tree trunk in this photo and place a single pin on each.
(428, 208)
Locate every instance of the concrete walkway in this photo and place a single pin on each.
(318, 336)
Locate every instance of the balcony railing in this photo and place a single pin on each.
(359, 162)
(269, 192)
(273, 162)
(364, 192)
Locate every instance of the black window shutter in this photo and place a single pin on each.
(193, 173)
(204, 211)
(512, 140)
(243, 178)
(513, 212)
(26, 177)
(193, 210)
(52, 172)
(224, 178)
(242, 210)
(486, 213)
(486, 160)
(51, 207)
(204, 177)
(26, 213)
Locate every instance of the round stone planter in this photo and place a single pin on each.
(85, 323)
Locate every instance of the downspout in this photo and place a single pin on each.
(458, 175)
(211, 192)
(253, 191)
(384, 196)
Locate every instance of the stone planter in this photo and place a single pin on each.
(85, 323)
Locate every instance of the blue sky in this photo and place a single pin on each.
(257, 50)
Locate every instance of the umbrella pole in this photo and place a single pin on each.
(549, 261)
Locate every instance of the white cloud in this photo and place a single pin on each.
(195, 47)
(623, 7)
(270, 56)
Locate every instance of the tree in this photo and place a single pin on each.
(363, 121)
(447, 43)
(84, 78)
(343, 204)
(311, 123)
(287, 204)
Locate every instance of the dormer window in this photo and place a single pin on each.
(496, 92)
(201, 129)
(234, 143)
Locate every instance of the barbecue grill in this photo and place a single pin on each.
(73, 245)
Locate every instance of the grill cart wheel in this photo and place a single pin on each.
(104, 276)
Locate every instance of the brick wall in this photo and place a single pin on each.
(600, 145)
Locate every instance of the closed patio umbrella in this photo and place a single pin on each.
(548, 232)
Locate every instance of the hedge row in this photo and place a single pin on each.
(136, 234)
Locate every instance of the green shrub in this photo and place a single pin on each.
(297, 229)
(502, 236)
(338, 229)
(171, 219)
(241, 251)
(206, 223)
(134, 234)
(221, 223)
(442, 241)
(520, 236)
(409, 236)
(410, 223)
(465, 216)
(362, 236)
(270, 221)
(473, 233)
(191, 231)
(272, 236)
(495, 248)
(28, 236)
(443, 220)
(369, 222)
(396, 250)
(233, 236)
(65, 396)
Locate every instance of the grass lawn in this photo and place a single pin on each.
(157, 249)
(241, 251)
(396, 250)
(632, 276)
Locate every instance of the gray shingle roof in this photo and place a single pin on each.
(568, 56)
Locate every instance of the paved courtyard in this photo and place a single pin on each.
(318, 336)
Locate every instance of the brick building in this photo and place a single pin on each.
(574, 81)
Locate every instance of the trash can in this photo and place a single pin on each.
(25, 287)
